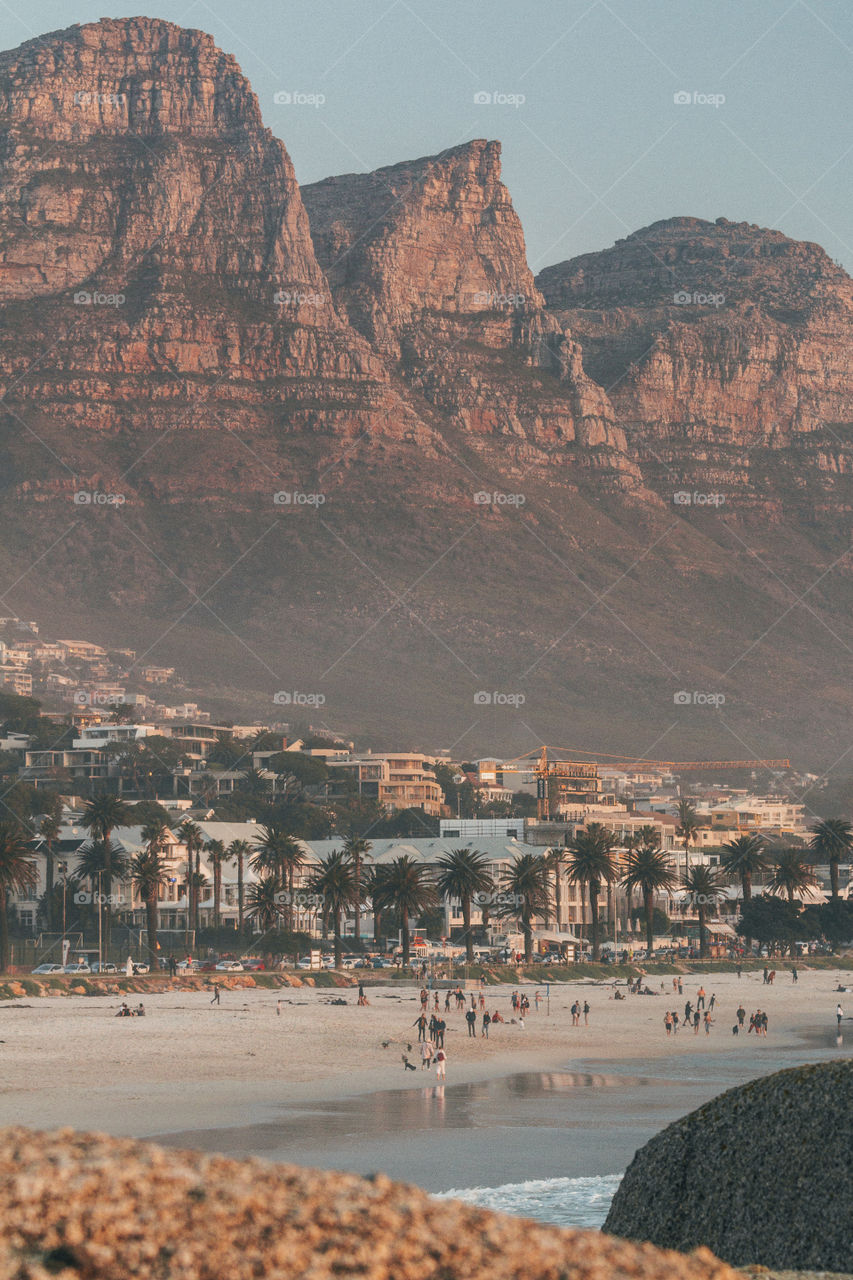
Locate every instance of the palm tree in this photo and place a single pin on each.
(832, 841)
(335, 881)
(262, 903)
(556, 856)
(17, 873)
(405, 887)
(279, 855)
(688, 827)
(238, 851)
(356, 848)
(148, 872)
(49, 832)
(93, 858)
(464, 872)
(526, 881)
(791, 872)
(192, 837)
(704, 889)
(374, 890)
(215, 851)
(742, 858)
(101, 816)
(591, 864)
(648, 870)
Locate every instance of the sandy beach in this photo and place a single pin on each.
(323, 1083)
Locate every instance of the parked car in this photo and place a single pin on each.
(105, 966)
(229, 966)
(49, 968)
(189, 966)
(252, 964)
(76, 968)
(383, 963)
(142, 967)
(351, 962)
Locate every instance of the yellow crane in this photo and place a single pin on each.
(581, 776)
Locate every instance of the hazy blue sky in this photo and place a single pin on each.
(599, 147)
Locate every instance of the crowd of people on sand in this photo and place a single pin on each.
(697, 1016)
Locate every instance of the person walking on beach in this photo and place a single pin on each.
(421, 1024)
(435, 1002)
(766, 975)
(586, 1013)
(424, 998)
(537, 998)
(707, 1022)
(700, 998)
(667, 1022)
(471, 1019)
(794, 977)
(839, 1014)
(278, 1008)
(675, 1022)
(440, 1065)
(215, 999)
(447, 1001)
(738, 971)
(440, 1028)
(696, 1019)
(712, 1001)
(486, 1021)
(426, 1055)
(763, 1027)
(741, 1014)
(482, 1001)
(688, 1012)
(680, 988)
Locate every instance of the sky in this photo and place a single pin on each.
(586, 96)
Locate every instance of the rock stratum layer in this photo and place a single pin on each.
(761, 1174)
(485, 481)
(94, 1208)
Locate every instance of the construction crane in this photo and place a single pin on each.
(580, 780)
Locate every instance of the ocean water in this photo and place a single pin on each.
(564, 1202)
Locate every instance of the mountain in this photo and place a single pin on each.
(337, 442)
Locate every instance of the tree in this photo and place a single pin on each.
(832, 842)
(49, 831)
(92, 860)
(525, 880)
(215, 851)
(262, 903)
(148, 872)
(648, 870)
(17, 873)
(374, 890)
(590, 863)
(688, 827)
(556, 857)
(192, 838)
(238, 851)
(770, 920)
(704, 890)
(405, 886)
(742, 858)
(832, 921)
(279, 855)
(791, 872)
(101, 816)
(463, 873)
(335, 882)
(357, 848)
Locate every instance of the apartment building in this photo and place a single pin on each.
(398, 780)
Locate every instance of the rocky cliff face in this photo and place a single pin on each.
(725, 350)
(427, 260)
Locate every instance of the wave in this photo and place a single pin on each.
(564, 1202)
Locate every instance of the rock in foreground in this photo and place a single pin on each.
(761, 1174)
(82, 1206)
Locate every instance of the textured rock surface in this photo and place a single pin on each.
(762, 1174)
(102, 1209)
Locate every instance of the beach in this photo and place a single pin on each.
(323, 1083)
